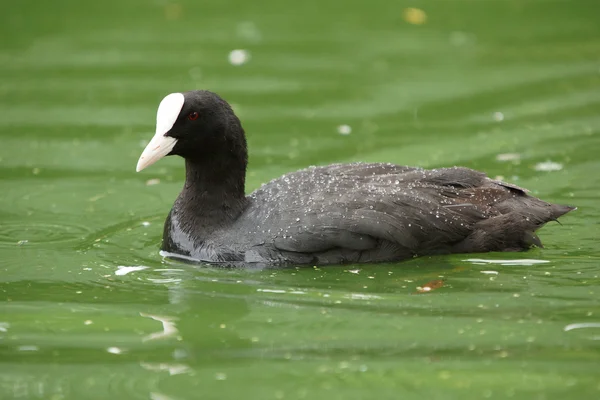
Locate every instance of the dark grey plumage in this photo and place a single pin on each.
(341, 213)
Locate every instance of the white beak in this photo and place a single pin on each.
(161, 145)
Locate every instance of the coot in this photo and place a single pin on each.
(340, 213)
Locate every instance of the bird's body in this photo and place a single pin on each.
(340, 213)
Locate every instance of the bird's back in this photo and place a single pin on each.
(383, 212)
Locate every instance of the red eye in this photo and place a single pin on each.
(193, 116)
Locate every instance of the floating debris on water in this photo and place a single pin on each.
(145, 223)
(22, 242)
(123, 270)
(173, 11)
(414, 16)
(220, 376)
(489, 272)
(88, 322)
(430, 286)
(114, 350)
(498, 116)
(239, 57)
(344, 129)
(548, 166)
(508, 157)
(151, 182)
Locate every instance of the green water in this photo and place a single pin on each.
(79, 86)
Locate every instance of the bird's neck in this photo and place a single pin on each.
(214, 190)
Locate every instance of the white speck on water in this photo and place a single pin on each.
(498, 116)
(88, 322)
(28, 348)
(508, 157)
(151, 182)
(581, 325)
(271, 290)
(114, 350)
(159, 396)
(489, 272)
(354, 271)
(123, 270)
(239, 57)
(4, 326)
(297, 219)
(22, 242)
(145, 223)
(548, 166)
(362, 296)
(173, 369)
(220, 376)
(344, 129)
(524, 261)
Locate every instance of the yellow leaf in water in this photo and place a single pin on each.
(173, 11)
(429, 286)
(414, 16)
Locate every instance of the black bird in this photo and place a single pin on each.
(340, 213)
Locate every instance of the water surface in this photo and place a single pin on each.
(89, 309)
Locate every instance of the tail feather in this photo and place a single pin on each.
(558, 210)
(514, 229)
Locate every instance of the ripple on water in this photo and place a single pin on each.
(19, 233)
